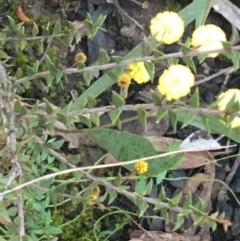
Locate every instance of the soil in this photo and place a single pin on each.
(119, 39)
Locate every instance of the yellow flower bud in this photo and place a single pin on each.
(208, 37)
(124, 80)
(176, 82)
(167, 27)
(80, 57)
(141, 167)
(94, 193)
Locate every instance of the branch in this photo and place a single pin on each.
(124, 63)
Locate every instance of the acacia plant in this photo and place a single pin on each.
(36, 175)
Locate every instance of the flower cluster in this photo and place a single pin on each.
(94, 193)
(167, 27)
(80, 57)
(176, 82)
(208, 37)
(224, 98)
(124, 80)
(141, 167)
(138, 72)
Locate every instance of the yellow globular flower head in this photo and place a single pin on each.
(167, 27)
(141, 167)
(138, 72)
(94, 193)
(80, 57)
(124, 80)
(176, 82)
(208, 37)
(225, 98)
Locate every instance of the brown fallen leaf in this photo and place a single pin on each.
(192, 183)
(191, 159)
(21, 15)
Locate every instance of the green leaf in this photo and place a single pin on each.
(149, 187)
(114, 115)
(188, 201)
(162, 193)
(125, 146)
(49, 79)
(11, 21)
(157, 53)
(188, 119)
(100, 20)
(172, 61)
(174, 119)
(175, 200)
(198, 219)
(103, 57)
(81, 65)
(160, 177)
(161, 113)
(213, 225)
(157, 98)
(235, 57)
(57, 27)
(4, 55)
(57, 144)
(205, 120)
(35, 29)
(29, 71)
(174, 146)
(118, 180)
(186, 47)
(87, 76)
(150, 69)
(142, 205)
(49, 108)
(117, 100)
(202, 57)
(202, 10)
(112, 196)
(194, 100)
(179, 222)
(117, 59)
(91, 102)
(94, 117)
(142, 116)
(85, 121)
(189, 62)
(140, 187)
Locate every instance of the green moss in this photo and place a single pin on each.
(81, 229)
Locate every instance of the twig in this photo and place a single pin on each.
(11, 140)
(82, 169)
(220, 72)
(123, 63)
(21, 229)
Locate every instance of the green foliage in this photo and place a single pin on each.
(58, 199)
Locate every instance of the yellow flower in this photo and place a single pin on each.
(94, 193)
(80, 57)
(208, 37)
(225, 98)
(167, 27)
(138, 72)
(176, 82)
(124, 80)
(141, 167)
